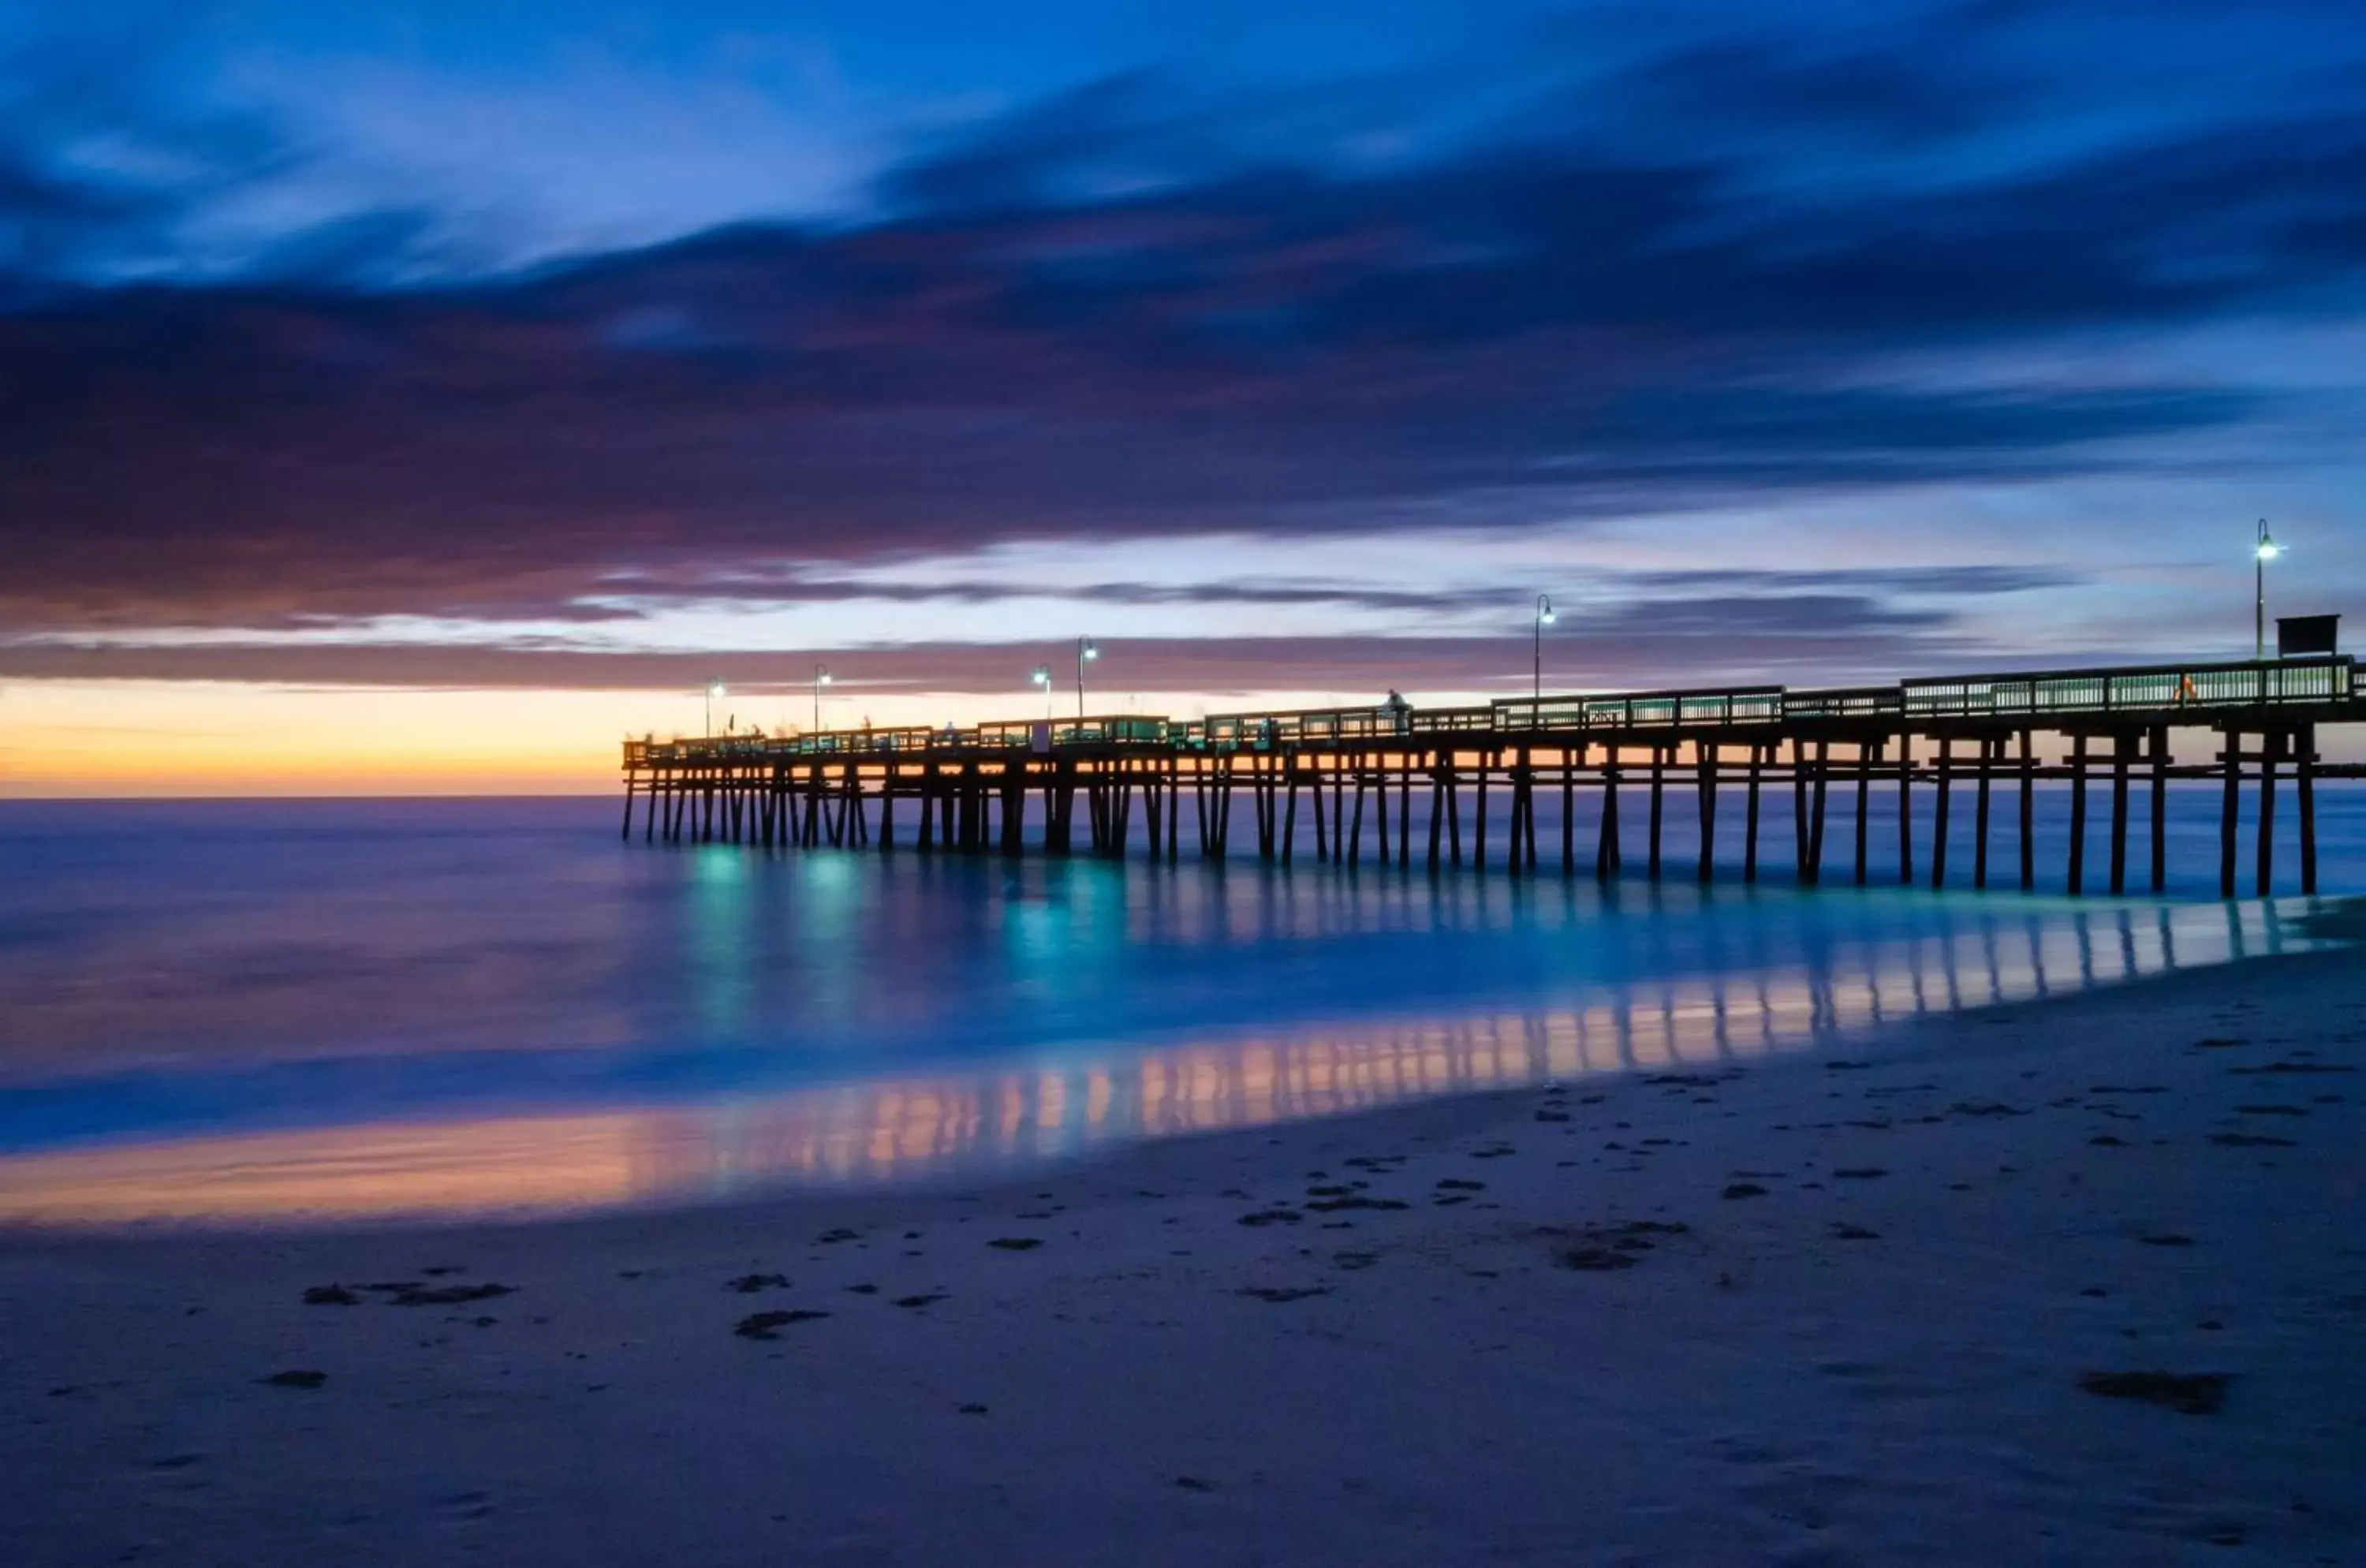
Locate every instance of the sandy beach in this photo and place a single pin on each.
(1881, 1306)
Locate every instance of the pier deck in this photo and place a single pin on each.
(973, 790)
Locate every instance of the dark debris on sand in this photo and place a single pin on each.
(748, 1284)
(1279, 1293)
(2188, 1393)
(448, 1295)
(760, 1326)
(404, 1293)
(297, 1377)
(1599, 1250)
(1595, 1259)
(2283, 1068)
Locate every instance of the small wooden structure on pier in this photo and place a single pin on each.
(1353, 775)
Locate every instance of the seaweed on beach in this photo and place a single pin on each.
(748, 1284)
(448, 1295)
(760, 1326)
(2188, 1393)
(1595, 1259)
(1605, 1248)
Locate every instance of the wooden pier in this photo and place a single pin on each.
(1343, 785)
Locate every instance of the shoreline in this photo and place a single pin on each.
(1213, 1352)
(953, 1123)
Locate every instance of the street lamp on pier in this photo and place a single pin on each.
(1042, 677)
(821, 679)
(713, 690)
(1544, 619)
(1086, 650)
(2263, 551)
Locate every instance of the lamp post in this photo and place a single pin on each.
(2264, 551)
(821, 679)
(1086, 650)
(1544, 619)
(1042, 677)
(713, 690)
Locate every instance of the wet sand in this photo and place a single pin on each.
(2076, 1282)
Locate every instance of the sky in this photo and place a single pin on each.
(425, 396)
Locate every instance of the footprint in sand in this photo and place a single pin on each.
(760, 1326)
(748, 1284)
(2190, 1393)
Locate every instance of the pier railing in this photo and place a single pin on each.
(2158, 686)
(1640, 710)
(2164, 693)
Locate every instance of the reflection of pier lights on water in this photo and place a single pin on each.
(1075, 1098)
(1080, 1102)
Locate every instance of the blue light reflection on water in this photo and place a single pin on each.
(373, 1007)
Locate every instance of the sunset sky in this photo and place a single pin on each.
(423, 396)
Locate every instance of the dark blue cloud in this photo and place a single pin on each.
(1709, 258)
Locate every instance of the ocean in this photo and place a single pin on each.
(298, 1012)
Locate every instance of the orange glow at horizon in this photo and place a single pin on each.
(100, 738)
(166, 739)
